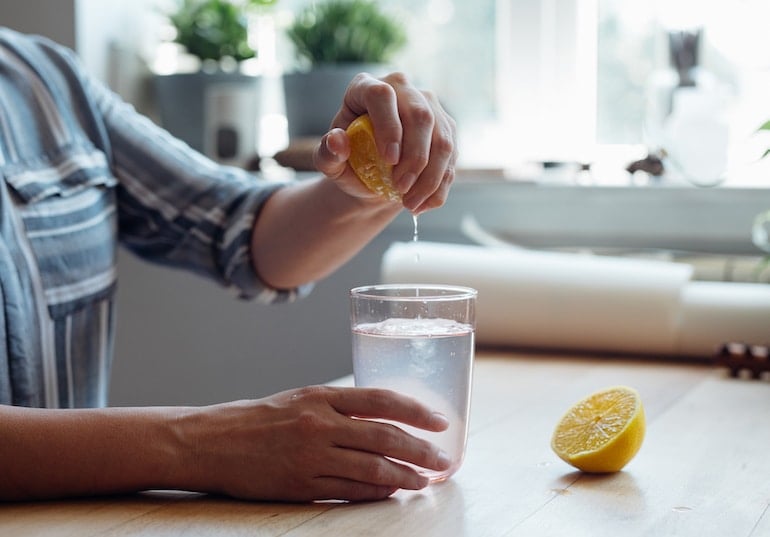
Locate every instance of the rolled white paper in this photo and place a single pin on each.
(554, 300)
(714, 313)
(585, 302)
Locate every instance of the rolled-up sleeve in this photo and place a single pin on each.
(179, 208)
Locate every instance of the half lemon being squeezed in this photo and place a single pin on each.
(366, 161)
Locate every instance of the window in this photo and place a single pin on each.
(565, 80)
(574, 80)
(634, 62)
(451, 50)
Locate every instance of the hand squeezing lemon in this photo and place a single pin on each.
(602, 432)
(366, 162)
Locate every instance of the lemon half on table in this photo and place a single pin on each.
(602, 432)
(366, 162)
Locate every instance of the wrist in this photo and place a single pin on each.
(152, 448)
(183, 451)
(349, 206)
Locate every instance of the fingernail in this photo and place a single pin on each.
(442, 419)
(393, 153)
(331, 150)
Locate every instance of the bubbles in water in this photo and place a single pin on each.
(426, 328)
(422, 354)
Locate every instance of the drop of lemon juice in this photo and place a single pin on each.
(415, 238)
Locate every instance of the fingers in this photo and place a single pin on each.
(437, 175)
(364, 467)
(310, 443)
(331, 154)
(384, 438)
(419, 121)
(412, 131)
(392, 441)
(366, 94)
(333, 488)
(367, 443)
(385, 404)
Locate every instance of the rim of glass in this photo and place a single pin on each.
(427, 291)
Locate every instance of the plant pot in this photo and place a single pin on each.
(215, 113)
(314, 97)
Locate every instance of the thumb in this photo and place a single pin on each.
(331, 155)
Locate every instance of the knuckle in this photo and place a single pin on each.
(311, 393)
(380, 91)
(427, 454)
(418, 160)
(309, 422)
(430, 95)
(377, 470)
(436, 201)
(449, 176)
(389, 440)
(382, 399)
(444, 141)
(360, 79)
(398, 78)
(422, 116)
(443, 144)
(450, 122)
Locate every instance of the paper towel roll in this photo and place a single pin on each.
(714, 313)
(554, 300)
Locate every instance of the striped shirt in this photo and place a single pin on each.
(83, 172)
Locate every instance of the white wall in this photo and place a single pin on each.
(51, 18)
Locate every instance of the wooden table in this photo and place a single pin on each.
(704, 469)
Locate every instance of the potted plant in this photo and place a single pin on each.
(213, 29)
(334, 40)
(215, 109)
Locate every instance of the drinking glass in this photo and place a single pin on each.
(418, 340)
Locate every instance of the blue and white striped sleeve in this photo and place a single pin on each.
(178, 207)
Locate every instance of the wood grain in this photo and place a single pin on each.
(703, 470)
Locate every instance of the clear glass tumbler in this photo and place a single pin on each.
(418, 340)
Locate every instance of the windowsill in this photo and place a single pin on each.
(558, 215)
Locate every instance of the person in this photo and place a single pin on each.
(83, 171)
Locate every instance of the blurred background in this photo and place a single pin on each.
(584, 125)
(529, 81)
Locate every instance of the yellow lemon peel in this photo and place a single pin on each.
(602, 432)
(366, 162)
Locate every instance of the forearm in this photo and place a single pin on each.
(58, 453)
(308, 230)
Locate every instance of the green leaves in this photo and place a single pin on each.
(213, 29)
(345, 31)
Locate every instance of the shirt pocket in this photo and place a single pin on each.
(67, 207)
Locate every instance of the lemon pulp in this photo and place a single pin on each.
(366, 162)
(602, 432)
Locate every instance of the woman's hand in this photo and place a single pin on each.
(307, 444)
(310, 228)
(413, 132)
